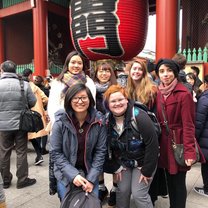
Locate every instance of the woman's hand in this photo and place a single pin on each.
(81, 181)
(145, 179)
(189, 162)
(118, 173)
(88, 187)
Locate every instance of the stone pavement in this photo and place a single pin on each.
(37, 196)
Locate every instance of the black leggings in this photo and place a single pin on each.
(204, 172)
(36, 145)
(177, 189)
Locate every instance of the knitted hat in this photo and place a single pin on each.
(170, 63)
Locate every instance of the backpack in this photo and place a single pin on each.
(77, 198)
(152, 116)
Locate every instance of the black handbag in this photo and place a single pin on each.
(30, 121)
(178, 151)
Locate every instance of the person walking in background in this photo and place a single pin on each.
(39, 81)
(2, 194)
(73, 72)
(132, 155)
(191, 79)
(180, 59)
(104, 77)
(176, 114)
(202, 135)
(78, 142)
(42, 101)
(122, 74)
(195, 71)
(11, 106)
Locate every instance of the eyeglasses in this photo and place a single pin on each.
(83, 99)
(113, 102)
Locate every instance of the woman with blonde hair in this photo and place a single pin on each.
(139, 85)
(141, 88)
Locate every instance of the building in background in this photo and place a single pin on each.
(36, 33)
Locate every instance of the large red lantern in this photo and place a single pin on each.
(109, 29)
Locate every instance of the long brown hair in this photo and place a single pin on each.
(68, 58)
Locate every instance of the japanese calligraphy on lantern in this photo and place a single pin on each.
(96, 28)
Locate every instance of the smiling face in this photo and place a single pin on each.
(166, 75)
(103, 75)
(136, 72)
(117, 103)
(75, 65)
(80, 102)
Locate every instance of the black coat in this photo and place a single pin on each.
(202, 123)
(146, 158)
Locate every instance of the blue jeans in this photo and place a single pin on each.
(62, 189)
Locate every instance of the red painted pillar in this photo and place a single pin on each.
(40, 25)
(2, 55)
(205, 69)
(166, 28)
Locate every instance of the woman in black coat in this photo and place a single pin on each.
(202, 135)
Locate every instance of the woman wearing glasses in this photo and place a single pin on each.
(104, 78)
(78, 142)
(73, 72)
(132, 154)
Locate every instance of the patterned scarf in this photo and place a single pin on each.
(101, 87)
(70, 79)
(167, 90)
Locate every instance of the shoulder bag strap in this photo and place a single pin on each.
(166, 123)
(164, 117)
(22, 93)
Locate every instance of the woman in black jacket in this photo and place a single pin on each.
(132, 154)
(202, 135)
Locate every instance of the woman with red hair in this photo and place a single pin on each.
(132, 154)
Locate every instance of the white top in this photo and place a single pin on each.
(55, 102)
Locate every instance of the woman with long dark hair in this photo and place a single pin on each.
(73, 72)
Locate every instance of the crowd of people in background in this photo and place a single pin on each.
(87, 128)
